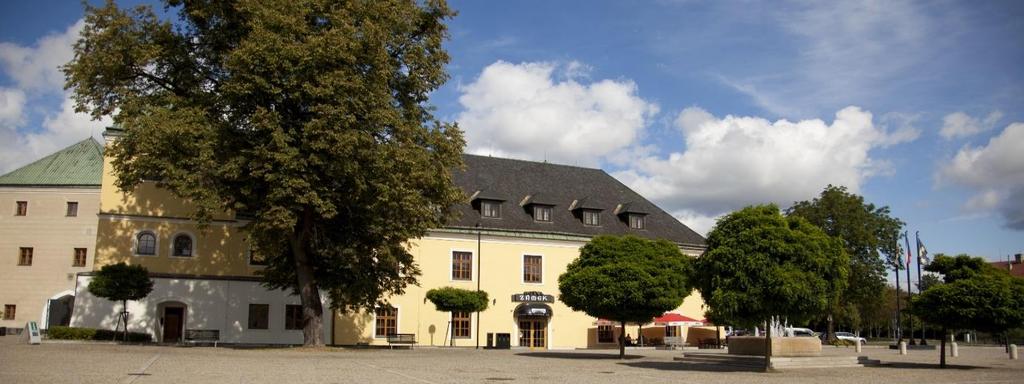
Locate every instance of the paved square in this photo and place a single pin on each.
(55, 362)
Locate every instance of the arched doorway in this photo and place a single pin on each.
(532, 319)
(172, 321)
(57, 311)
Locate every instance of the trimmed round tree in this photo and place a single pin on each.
(450, 299)
(121, 282)
(626, 279)
(760, 264)
(973, 296)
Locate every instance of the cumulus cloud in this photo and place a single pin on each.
(12, 102)
(734, 161)
(959, 124)
(995, 172)
(39, 82)
(544, 110)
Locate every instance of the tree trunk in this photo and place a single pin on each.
(309, 293)
(124, 318)
(830, 332)
(942, 350)
(622, 340)
(768, 347)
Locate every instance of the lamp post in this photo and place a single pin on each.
(478, 269)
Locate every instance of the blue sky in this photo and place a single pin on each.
(703, 106)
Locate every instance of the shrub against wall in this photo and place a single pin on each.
(74, 333)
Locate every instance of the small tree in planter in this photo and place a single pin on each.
(449, 299)
(121, 282)
(759, 264)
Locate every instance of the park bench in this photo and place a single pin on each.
(202, 336)
(401, 339)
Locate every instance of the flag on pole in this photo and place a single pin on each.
(907, 239)
(922, 252)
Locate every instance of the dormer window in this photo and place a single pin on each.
(490, 208)
(636, 221)
(591, 217)
(542, 213)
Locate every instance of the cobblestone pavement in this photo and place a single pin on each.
(55, 362)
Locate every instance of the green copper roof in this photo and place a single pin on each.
(80, 164)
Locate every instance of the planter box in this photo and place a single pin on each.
(781, 346)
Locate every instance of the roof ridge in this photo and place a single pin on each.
(545, 162)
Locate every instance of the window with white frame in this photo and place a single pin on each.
(533, 269)
(591, 217)
(490, 208)
(542, 213)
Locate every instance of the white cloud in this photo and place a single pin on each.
(735, 161)
(959, 124)
(541, 111)
(39, 83)
(995, 172)
(37, 68)
(12, 103)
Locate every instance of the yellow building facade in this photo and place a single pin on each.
(522, 224)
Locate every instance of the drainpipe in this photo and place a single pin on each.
(478, 262)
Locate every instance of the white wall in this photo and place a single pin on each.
(210, 304)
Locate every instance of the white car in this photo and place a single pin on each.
(847, 336)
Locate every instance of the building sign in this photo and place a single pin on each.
(533, 297)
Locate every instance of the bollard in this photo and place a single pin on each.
(859, 347)
(1013, 351)
(954, 351)
(903, 347)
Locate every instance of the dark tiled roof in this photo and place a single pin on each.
(560, 185)
(80, 164)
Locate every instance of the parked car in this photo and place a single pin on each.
(802, 332)
(847, 336)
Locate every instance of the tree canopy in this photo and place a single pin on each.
(962, 266)
(449, 299)
(310, 117)
(867, 232)
(760, 264)
(626, 279)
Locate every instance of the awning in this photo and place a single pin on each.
(533, 310)
(674, 319)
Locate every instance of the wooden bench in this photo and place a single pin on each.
(202, 336)
(402, 339)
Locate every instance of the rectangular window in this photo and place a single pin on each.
(9, 310)
(591, 218)
(80, 254)
(292, 316)
(21, 209)
(605, 334)
(72, 209)
(490, 209)
(532, 269)
(387, 321)
(462, 266)
(636, 221)
(541, 213)
(259, 316)
(25, 256)
(461, 324)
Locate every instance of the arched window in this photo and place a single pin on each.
(182, 246)
(145, 243)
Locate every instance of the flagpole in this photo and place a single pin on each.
(897, 264)
(917, 237)
(910, 291)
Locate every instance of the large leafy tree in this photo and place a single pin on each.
(309, 116)
(987, 301)
(626, 279)
(121, 282)
(867, 232)
(760, 264)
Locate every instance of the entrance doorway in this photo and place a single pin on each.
(533, 333)
(173, 322)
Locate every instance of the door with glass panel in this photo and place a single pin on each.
(533, 333)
